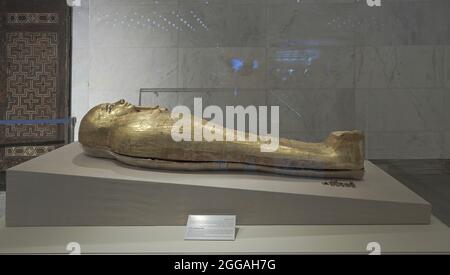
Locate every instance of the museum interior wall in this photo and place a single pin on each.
(329, 65)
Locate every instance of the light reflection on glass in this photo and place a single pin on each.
(237, 64)
(255, 65)
(155, 20)
(302, 56)
(294, 57)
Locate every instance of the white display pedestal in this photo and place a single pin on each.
(68, 188)
(432, 238)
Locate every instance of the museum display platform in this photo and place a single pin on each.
(432, 238)
(68, 188)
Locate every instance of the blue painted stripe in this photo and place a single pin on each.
(35, 122)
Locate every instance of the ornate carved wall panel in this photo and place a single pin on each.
(31, 82)
(28, 151)
(32, 18)
(34, 78)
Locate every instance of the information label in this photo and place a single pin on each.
(211, 228)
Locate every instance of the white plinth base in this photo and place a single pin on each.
(432, 238)
(68, 188)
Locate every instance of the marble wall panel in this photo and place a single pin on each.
(399, 67)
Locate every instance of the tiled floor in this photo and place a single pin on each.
(428, 178)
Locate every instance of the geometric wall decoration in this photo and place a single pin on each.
(32, 18)
(35, 71)
(28, 151)
(31, 88)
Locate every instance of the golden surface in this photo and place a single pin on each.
(142, 137)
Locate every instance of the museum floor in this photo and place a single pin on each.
(428, 178)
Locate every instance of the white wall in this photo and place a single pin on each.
(330, 65)
(81, 62)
